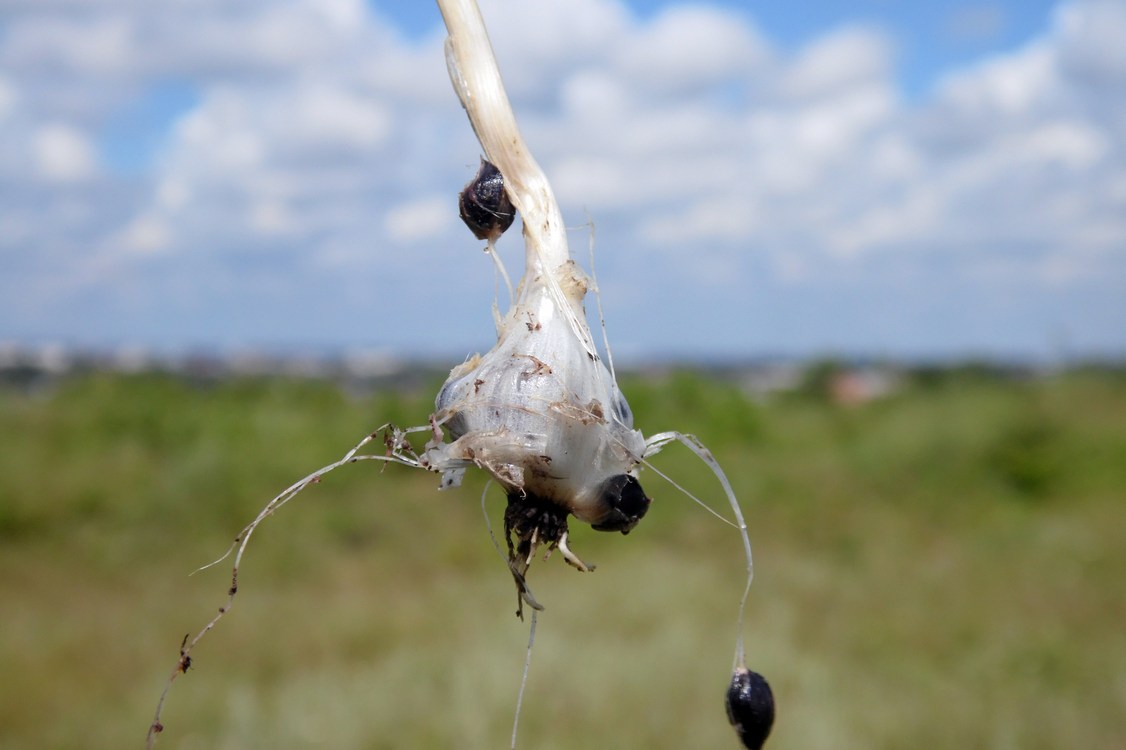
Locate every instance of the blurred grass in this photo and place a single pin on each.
(942, 568)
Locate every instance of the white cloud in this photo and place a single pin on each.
(838, 60)
(1006, 85)
(909, 218)
(703, 222)
(1090, 38)
(540, 42)
(687, 47)
(88, 44)
(691, 138)
(421, 220)
(272, 217)
(8, 98)
(327, 117)
(1075, 145)
(144, 235)
(220, 135)
(831, 127)
(62, 153)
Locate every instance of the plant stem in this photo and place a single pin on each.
(476, 79)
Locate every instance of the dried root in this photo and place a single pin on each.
(398, 450)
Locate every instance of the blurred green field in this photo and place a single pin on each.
(943, 568)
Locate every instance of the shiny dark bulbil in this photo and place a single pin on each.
(750, 707)
(625, 501)
(485, 207)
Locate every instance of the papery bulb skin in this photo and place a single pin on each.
(542, 413)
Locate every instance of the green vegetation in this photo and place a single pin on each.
(941, 568)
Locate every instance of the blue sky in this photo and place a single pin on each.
(866, 178)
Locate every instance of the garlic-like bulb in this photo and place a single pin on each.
(542, 414)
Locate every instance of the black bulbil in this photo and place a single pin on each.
(485, 207)
(750, 707)
(625, 501)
